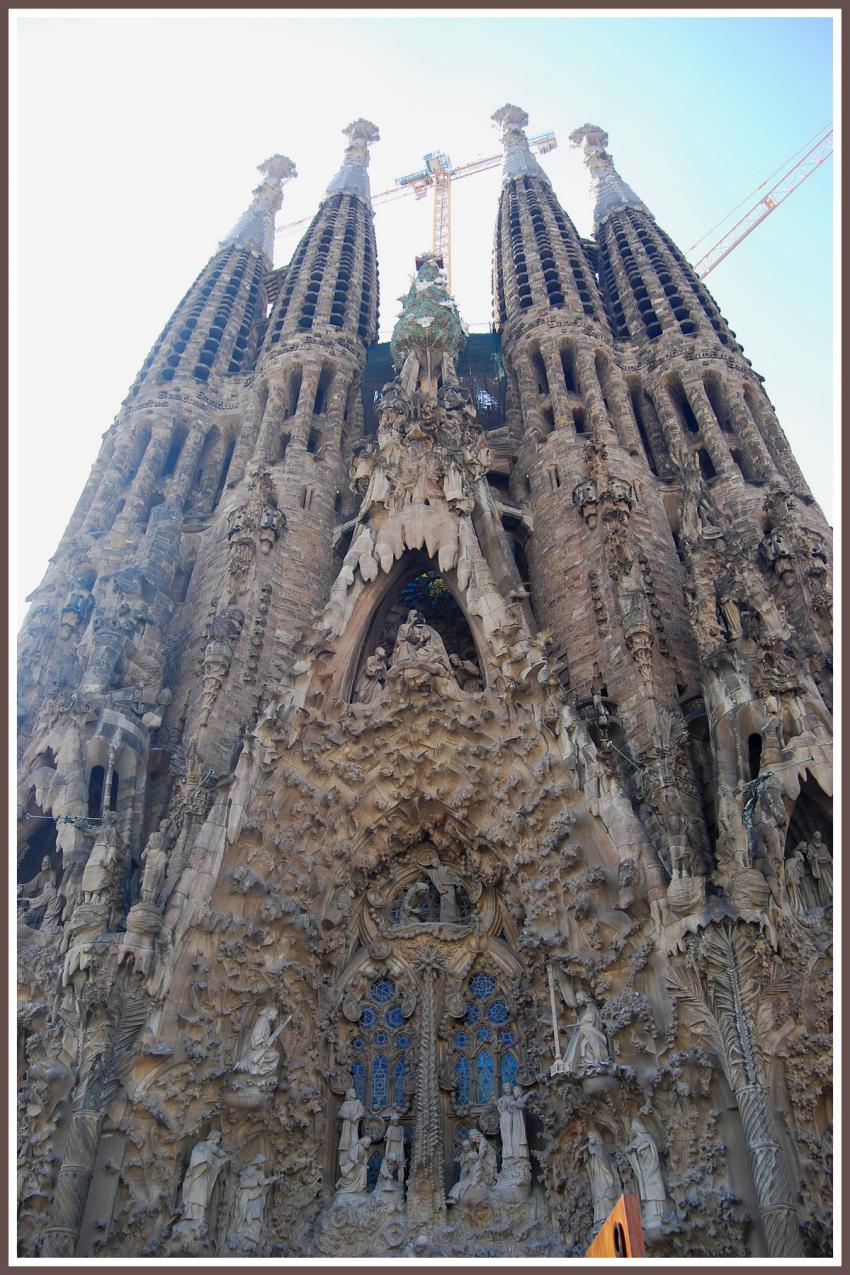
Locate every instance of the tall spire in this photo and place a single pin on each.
(255, 228)
(519, 161)
(352, 178)
(609, 190)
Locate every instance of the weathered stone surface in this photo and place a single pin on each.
(426, 837)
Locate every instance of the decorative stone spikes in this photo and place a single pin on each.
(352, 178)
(255, 228)
(429, 329)
(519, 161)
(609, 190)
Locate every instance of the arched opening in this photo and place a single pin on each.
(420, 587)
(812, 813)
(96, 783)
(754, 755)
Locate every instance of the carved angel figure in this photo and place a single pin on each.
(260, 1059)
(588, 1044)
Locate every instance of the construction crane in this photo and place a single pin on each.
(817, 151)
(439, 174)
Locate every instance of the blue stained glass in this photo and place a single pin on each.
(481, 986)
(483, 1033)
(399, 1096)
(485, 1071)
(358, 1078)
(462, 1085)
(402, 1042)
(373, 1168)
(381, 1038)
(393, 1017)
(379, 1081)
(383, 990)
(507, 1038)
(359, 1042)
(508, 1069)
(368, 1018)
(473, 1013)
(461, 1039)
(498, 1012)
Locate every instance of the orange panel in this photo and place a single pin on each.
(621, 1234)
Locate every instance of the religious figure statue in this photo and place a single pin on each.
(77, 609)
(208, 1159)
(604, 1186)
(154, 864)
(588, 1045)
(643, 1156)
(246, 1221)
(260, 1058)
(730, 613)
(695, 514)
(467, 674)
(795, 881)
(511, 1108)
(371, 681)
(101, 870)
(477, 1171)
(354, 1169)
(820, 866)
(350, 1113)
(394, 1143)
(44, 910)
(626, 882)
(446, 881)
(42, 878)
(389, 1188)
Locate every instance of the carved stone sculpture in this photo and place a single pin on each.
(206, 1162)
(588, 1045)
(477, 1171)
(247, 1219)
(353, 1171)
(643, 1157)
(515, 1173)
(260, 1058)
(820, 866)
(350, 1113)
(605, 1189)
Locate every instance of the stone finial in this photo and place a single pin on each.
(352, 178)
(519, 161)
(255, 228)
(609, 191)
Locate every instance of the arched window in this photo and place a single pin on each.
(484, 1043)
(381, 1046)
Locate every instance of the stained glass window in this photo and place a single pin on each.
(380, 1065)
(483, 1062)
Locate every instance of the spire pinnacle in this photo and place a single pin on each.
(609, 190)
(352, 178)
(518, 161)
(256, 225)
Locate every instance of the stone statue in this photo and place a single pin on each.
(42, 878)
(354, 1169)
(477, 1171)
(588, 1045)
(394, 1143)
(350, 1113)
(643, 1157)
(511, 1107)
(626, 882)
(604, 1186)
(467, 674)
(446, 881)
(45, 907)
(389, 1188)
(207, 1160)
(515, 1174)
(260, 1058)
(795, 881)
(101, 870)
(154, 864)
(820, 866)
(247, 1218)
(370, 684)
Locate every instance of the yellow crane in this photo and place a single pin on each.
(439, 173)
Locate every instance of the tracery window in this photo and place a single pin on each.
(484, 1043)
(382, 1049)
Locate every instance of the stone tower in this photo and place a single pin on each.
(425, 767)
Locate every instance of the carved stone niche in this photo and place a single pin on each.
(429, 896)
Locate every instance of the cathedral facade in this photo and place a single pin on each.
(425, 767)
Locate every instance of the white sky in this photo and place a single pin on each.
(136, 134)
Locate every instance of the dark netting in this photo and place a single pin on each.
(480, 370)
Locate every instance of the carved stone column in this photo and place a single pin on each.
(72, 1188)
(426, 1195)
(188, 463)
(597, 413)
(715, 444)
